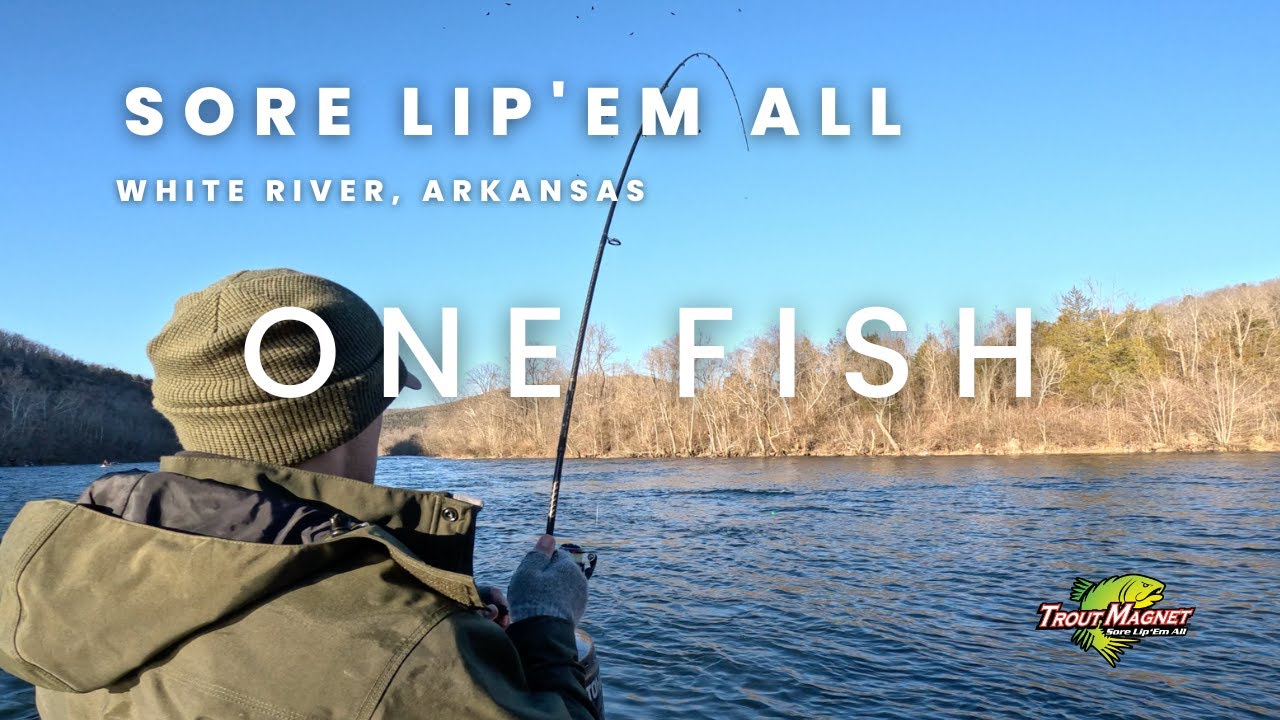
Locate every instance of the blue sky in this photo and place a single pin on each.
(1135, 144)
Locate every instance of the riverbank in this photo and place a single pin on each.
(1009, 450)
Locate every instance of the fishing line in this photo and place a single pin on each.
(607, 241)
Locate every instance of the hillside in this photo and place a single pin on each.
(1196, 373)
(56, 409)
(493, 424)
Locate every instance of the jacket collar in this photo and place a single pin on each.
(437, 527)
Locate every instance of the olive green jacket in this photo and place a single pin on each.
(112, 618)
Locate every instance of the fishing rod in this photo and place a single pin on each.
(605, 241)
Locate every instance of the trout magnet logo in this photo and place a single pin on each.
(1114, 614)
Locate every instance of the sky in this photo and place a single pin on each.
(1043, 145)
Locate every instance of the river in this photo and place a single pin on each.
(881, 588)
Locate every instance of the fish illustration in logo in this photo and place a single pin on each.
(1140, 590)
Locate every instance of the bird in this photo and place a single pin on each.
(486, 14)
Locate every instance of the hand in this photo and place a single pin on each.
(496, 607)
(548, 582)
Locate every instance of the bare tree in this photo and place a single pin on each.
(1050, 367)
(1227, 396)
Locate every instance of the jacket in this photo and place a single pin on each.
(219, 588)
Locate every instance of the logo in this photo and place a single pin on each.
(1115, 614)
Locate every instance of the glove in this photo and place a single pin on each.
(548, 582)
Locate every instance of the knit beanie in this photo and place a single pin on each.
(202, 383)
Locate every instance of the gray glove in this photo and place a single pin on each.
(548, 582)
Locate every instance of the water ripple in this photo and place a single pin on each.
(882, 588)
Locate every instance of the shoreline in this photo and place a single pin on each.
(906, 454)
(998, 452)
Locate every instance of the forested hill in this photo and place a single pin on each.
(1199, 372)
(56, 409)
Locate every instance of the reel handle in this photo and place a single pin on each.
(584, 559)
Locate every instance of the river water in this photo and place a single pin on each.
(882, 588)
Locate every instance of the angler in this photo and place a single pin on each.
(261, 572)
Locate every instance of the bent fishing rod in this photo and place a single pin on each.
(606, 240)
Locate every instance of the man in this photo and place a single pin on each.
(260, 573)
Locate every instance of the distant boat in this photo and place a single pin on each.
(106, 463)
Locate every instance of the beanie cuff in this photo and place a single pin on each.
(284, 431)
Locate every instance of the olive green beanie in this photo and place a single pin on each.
(202, 384)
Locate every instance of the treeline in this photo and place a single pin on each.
(55, 409)
(1198, 373)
